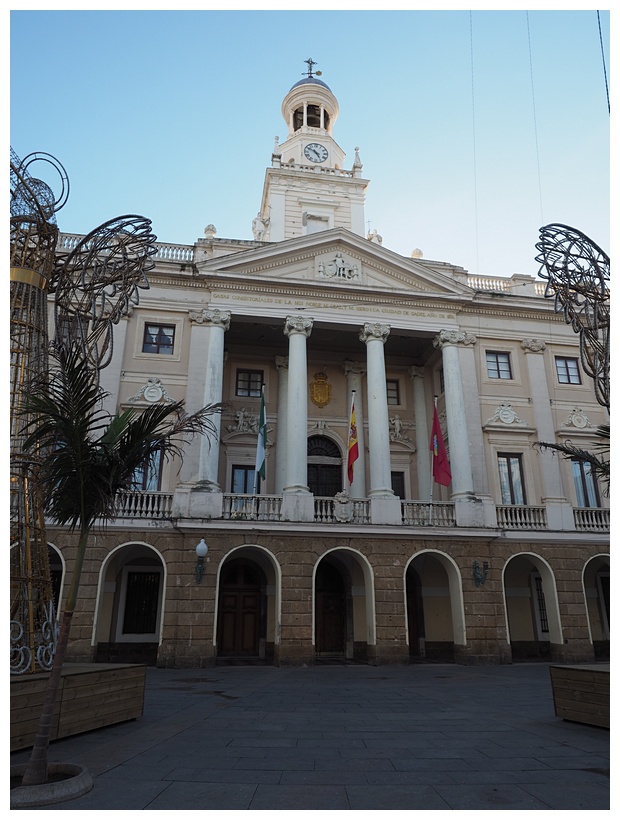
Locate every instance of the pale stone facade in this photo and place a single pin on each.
(510, 561)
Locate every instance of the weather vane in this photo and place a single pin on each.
(310, 72)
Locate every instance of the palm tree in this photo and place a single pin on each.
(85, 459)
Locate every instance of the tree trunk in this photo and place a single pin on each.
(36, 772)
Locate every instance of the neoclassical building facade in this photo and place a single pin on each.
(509, 562)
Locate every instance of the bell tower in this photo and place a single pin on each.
(307, 188)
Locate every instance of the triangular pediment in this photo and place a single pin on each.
(339, 258)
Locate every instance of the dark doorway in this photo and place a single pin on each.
(241, 615)
(415, 614)
(330, 611)
(324, 467)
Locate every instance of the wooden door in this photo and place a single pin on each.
(239, 614)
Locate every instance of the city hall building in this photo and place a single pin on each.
(508, 562)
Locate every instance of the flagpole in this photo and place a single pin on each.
(351, 406)
(430, 506)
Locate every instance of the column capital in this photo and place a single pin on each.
(298, 324)
(210, 317)
(355, 368)
(416, 372)
(533, 345)
(374, 331)
(453, 337)
(281, 362)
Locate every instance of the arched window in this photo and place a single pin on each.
(324, 467)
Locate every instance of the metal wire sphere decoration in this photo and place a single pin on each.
(33, 238)
(577, 272)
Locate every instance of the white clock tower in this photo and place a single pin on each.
(307, 188)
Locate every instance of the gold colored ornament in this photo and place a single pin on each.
(320, 390)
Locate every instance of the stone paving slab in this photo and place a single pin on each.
(436, 737)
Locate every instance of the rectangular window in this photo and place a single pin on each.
(249, 383)
(511, 478)
(147, 478)
(243, 480)
(141, 602)
(567, 370)
(398, 484)
(158, 339)
(498, 365)
(585, 484)
(393, 391)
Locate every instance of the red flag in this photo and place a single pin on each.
(353, 453)
(441, 465)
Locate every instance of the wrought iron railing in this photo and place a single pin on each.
(591, 519)
(517, 517)
(425, 514)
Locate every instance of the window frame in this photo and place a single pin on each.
(151, 470)
(249, 471)
(512, 487)
(496, 365)
(249, 372)
(158, 344)
(585, 484)
(139, 637)
(565, 360)
(394, 383)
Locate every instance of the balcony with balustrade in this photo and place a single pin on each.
(157, 506)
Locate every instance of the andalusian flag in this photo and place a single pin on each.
(441, 465)
(353, 453)
(262, 440)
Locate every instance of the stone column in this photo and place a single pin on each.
(471, 509)
(559, 509)
(460, 459)
(110, 376)
(422, 434)
(297, 500)
(385, 506)
(200, 495)
(354, 372)
(280, 476)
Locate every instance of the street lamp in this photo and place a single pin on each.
(201, 551)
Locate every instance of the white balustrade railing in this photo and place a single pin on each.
(591, 519)
(143, 505)
(425, 514)
(325, 511)
(174, 253)
(516, 517)
(252, 507)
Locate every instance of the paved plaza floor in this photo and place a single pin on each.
(425, 736)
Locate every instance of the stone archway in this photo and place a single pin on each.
(343, 625)
(435, 611)
(532, 610)
(130, 605)
(248, 607)
(596, 590)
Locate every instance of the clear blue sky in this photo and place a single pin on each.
(172, 114)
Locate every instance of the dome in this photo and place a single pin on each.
(311, 81)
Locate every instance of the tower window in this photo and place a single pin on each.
(313, 116)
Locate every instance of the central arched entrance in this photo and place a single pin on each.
(331, 611)
(242, 610)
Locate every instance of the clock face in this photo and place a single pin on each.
(315, 152)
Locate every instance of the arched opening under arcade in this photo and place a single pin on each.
(532, 610)
(434, 605)
(596, 592)
(248, 608)
(344, 624)
(130, 605)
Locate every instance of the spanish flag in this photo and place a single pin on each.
(353, 453)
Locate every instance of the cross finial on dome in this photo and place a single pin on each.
(311, 64)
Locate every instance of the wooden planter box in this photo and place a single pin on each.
(90, 696)
(581, 693)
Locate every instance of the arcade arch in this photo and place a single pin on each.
(596, 593)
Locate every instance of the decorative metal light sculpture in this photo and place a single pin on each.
(92, 285)
(577, 273)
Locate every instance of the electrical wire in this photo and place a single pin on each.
(529, 45)
(473, 118)
(600, 34)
